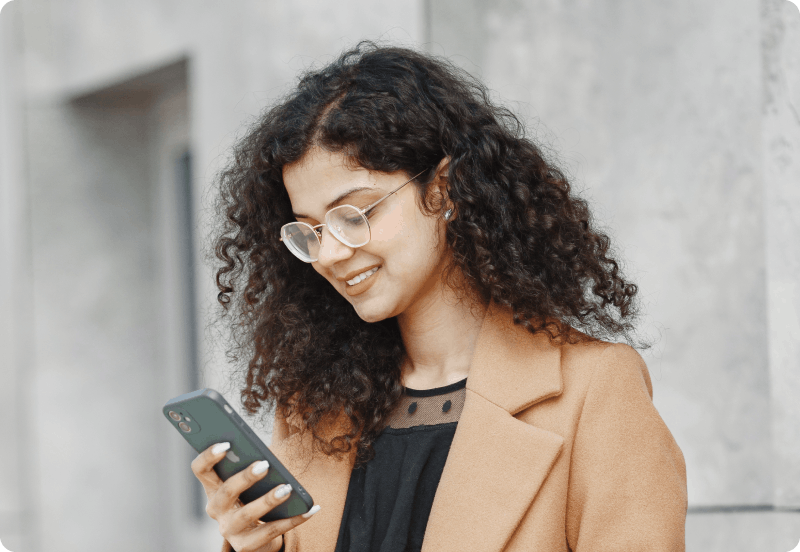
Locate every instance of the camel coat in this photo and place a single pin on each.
(557, 449)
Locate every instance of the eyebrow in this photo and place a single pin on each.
(338, 200)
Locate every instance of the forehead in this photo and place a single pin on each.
(322, 176)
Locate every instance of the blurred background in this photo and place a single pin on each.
(678, 120)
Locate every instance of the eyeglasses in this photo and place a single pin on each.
(346, 223)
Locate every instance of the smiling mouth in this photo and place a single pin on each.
(363, 276)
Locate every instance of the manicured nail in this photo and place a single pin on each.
(312, 511)
(221, 447)
(260, 467)
(283, 490)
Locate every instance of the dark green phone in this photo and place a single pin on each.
(205, 418)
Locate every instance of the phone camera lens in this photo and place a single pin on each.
(175, 416)
(184, 426)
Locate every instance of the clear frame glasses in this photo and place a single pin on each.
(346, 223)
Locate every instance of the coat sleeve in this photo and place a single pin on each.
(280, 431)
(627, 487)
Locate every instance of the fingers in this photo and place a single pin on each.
(240, 524)
(250, 513)
(268, 532)
(203, 467)
(228, 492)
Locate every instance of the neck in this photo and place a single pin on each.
(439, 335)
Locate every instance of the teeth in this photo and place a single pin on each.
(363, 276)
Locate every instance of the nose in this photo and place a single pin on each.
(331, 250)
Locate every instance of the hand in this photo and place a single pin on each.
(239, 524)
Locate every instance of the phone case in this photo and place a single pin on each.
(212, 420)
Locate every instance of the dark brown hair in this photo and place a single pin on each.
(520, 237)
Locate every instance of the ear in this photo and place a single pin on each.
(441, 184)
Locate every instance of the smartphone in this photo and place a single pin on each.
(205, 418)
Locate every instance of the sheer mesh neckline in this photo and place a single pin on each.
(436, 390)
(429, 407)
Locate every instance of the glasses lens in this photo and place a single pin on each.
(348, 225)
(301, 240)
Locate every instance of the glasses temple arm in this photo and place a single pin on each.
(368, 207)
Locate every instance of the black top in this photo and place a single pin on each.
(389, 498)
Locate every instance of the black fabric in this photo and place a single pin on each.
(389, 498)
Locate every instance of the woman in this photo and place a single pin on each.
(405, 270)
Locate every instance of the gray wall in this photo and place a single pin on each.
(16, 509)
(94, 337)
(98, 100)
(781, 169)
(679, 121)
(661, 126)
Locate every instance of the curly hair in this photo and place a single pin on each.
(520, 238)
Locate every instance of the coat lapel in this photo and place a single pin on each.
(496, 462)
(481, 496)
(495, 467)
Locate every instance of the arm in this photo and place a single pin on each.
(627, 487)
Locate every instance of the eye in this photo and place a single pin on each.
(355, 221)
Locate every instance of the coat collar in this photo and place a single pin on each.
(511, 370)
(510, 367)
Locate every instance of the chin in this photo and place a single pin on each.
(373, 311)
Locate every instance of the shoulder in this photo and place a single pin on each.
(597, 361)
(627, 471)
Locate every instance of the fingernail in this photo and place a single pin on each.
(283, 490)
(221, 447)
(260, 467)
(312, 511)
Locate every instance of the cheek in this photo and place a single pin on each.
(410, 237)
(406, 223)
(393, 226)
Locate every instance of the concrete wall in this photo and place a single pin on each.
(103, 116)
(678, 120)
(661, 127)
(95, 343)
(781, 162)
(16, 508)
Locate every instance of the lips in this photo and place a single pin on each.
(364, 284)
(354, 273)
(363, 276)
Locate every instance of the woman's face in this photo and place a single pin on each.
(406, 247)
